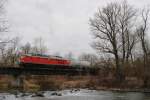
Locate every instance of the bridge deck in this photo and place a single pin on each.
(42, 71)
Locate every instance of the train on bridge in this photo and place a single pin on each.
(53, 62)
(37, 64)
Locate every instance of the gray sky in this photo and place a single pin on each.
(63, 24)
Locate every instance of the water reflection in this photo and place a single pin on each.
(130, 96)
(78, 95)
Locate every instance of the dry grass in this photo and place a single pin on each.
(61, 82)
(57, 82)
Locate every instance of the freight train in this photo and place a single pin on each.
(47, 61)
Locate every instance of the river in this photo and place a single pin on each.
(81, 94)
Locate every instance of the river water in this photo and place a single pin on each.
(81, 94)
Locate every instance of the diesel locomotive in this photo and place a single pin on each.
(48, 61)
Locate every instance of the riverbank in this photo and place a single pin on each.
(53, 82)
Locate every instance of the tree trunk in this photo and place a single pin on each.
(119, 72)
(146, 72)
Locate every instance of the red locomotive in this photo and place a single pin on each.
(38, 60)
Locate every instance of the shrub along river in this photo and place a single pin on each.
(76, 94)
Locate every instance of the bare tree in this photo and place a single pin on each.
(126, 19)
(26, 48)
(9, 52)
(142, 33)
(70, 56)
(3, 30)
(91, 58)
(39, 46)
(3, 21)
(111, 27)
(12, 51)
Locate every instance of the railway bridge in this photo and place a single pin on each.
(20, 72)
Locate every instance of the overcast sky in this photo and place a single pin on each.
(63, 24)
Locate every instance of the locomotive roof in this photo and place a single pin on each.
(42, 55)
